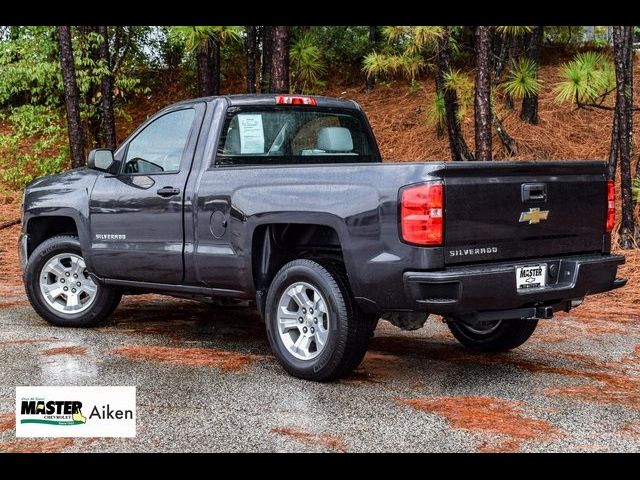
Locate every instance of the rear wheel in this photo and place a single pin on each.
(61, 290)
(493, 336)
(315, 329)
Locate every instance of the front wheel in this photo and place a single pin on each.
(61, 290)
(315, 329)
(494, 336)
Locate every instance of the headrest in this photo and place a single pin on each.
(335, 139)
(232, 144)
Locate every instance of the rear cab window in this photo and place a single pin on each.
(294, 135)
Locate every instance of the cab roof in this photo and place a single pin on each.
(268, 99)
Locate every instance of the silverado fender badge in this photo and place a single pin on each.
(534, 215)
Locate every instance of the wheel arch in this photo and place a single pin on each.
(40, 227)
(274, 244)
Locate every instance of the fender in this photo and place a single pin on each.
(62, 195)
(351, 210)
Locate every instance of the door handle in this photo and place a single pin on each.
(168, 191)
(534, 192)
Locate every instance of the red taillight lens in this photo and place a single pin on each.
(296, 100)
(422, 213)
(611, 205)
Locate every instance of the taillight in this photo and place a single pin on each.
(421, 213)
(611, 205)
(296, 100)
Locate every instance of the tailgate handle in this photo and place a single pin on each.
(534, 192)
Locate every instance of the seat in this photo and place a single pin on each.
(232, 143)
(335, 140)
(332, 141)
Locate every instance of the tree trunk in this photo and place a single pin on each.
(251, 58)
(613, 150)
(203, 63)
(94, 125)
(370, 80)
(214, 65)
(71, 97)
(267, 48)
(108, 117)
(500, 58)
(457, 145)
(509, 144)
(529, 112)
(624, 110)
(280, 60)
(439, 74)
(482, 100)
(630, 56)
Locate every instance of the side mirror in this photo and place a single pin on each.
(100, 159)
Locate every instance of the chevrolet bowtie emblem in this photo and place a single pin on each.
(534, 215)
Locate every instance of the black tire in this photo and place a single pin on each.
(106, 301)
(507, 335)
(349, 329)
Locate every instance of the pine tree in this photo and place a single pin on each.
(108, 117)
(279, 70)
(529, 112)
(71, 97)
(623, 56)
(483, 93)
(457, 144)
(250, 45)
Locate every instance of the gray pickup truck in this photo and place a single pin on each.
(284, 200)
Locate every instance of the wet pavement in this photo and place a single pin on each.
(207, 382)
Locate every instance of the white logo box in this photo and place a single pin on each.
(75, 411)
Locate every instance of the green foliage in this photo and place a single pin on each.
(463, 85)
(29, 66)
(195, 37)
(413, 39)
(514, 30)
(409, 45)
(340, 45)
(601, 37)
(564, 35)
(587, 78)
(307, 66)
(523, 79)
(436, 113)
(635, 189)
(35, 145)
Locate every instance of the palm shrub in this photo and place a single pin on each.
(436, 112)
(463, 85)
(307, 65)
(586, 79)
(523, 79)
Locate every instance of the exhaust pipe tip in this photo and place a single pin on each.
(576, 302)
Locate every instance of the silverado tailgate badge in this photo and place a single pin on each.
(534, 215)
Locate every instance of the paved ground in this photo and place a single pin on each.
(207, 382)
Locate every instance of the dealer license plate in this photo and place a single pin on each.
(531, 276)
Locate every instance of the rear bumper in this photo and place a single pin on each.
(470, 289)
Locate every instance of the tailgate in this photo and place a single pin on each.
(513, 210)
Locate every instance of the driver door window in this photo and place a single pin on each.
(160, 146)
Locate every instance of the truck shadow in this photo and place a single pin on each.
(192, 325)
(162, 327)
(186, 321)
